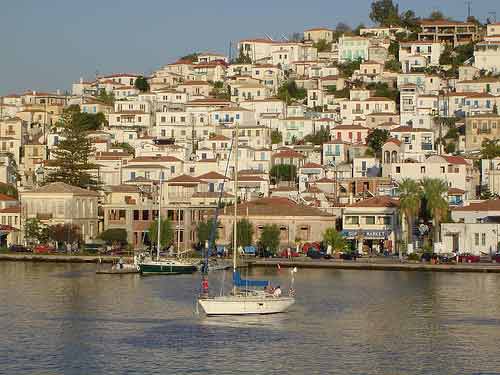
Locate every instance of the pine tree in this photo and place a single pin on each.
(71, 158)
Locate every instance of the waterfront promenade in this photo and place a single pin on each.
(376, 264)
(371, 264)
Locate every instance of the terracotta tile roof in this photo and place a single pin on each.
(183, 179)
(379, 201)
(219, 138)
(212, 194)
(288, 153)
(162, 159)
(247, 178)
(489, 205)
(124, 188)
(312, 165)
(409, 129)
(394, 140)
(4, 197)
(455, 191)
(324, 180)
(62, 188)
(455, 159)
(11, 210)
(213, 176)
(277, 206)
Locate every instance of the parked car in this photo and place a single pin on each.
(314, 253)
(349, 255)
(469, 258)
(447, 258)
(311, 245)
(427, 257)
(495, 258)
(19, 249)
(293, 253)
(42, 249)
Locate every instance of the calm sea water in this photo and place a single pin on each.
(65, 319)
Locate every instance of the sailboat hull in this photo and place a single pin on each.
(244, 305)
(165, 268)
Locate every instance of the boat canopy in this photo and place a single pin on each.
(239, 282)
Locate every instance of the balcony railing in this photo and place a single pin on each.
(427, 146)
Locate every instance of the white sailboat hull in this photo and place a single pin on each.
(245, 305)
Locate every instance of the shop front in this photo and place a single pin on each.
(370, 241)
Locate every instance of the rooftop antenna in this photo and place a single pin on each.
(268, 37)
(469, 4)
(284, 37)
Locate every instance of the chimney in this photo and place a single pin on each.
(58, 92)
(34, 92)
(81, 79)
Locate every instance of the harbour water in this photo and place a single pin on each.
(65, 319)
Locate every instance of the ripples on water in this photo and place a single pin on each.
(64, 319)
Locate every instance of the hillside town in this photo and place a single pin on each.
(380, 139)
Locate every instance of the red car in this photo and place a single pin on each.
(469, 258)
(42, 249)
(293, 253)
(311, 245)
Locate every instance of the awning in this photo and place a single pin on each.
(367, 234)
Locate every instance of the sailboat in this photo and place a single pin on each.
(163, 266)
(244, 299)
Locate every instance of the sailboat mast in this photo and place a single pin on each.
(159, 221)
(235, 229)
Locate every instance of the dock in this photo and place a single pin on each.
(60, 258)
(373, 265)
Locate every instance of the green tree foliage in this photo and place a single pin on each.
(409, 203)
(394, 49)
(456, 57)
(71, 157)
(85, 121)
(385, 13)
(127, 147)
(166, 233)
(192, 57)
(141, 84)
(289, 91)
(436, 15)
(334, 239)
(243, 57)
(65, 233)
(244, 233)
(490, 149)
(270, 237)
(284, 172)
(450, 147)
(383, 90)
(108, 99)
(322, 45)
(8, 189)
(376, 139)
(114, 236)
(36, 232)
(276, 137)
(435, 203)
(410, 20)
(203, 230)
(393, 66)
(221, 92)
(347, 69)
(318, 138)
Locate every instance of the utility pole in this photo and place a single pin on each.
(469, 4)
(494, 14)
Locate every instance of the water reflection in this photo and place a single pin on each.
(58, 318)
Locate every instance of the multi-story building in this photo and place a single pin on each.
(480, 128)
(450, 32)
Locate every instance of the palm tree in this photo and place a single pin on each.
(435, 203)
(409, 202)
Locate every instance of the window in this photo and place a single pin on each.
(145, 215)
(172, 169)
(483, 239)
(398, 169)
(136, 215)
(476, 239)
(370, 219)
(387, 220)
(352, 220)
(442, 169)
(422, 169)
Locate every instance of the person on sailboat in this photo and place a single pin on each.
(277, 291)
(204, 287)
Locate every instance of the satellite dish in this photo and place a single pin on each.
(192, 157)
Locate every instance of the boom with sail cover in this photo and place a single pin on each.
(241, 283)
